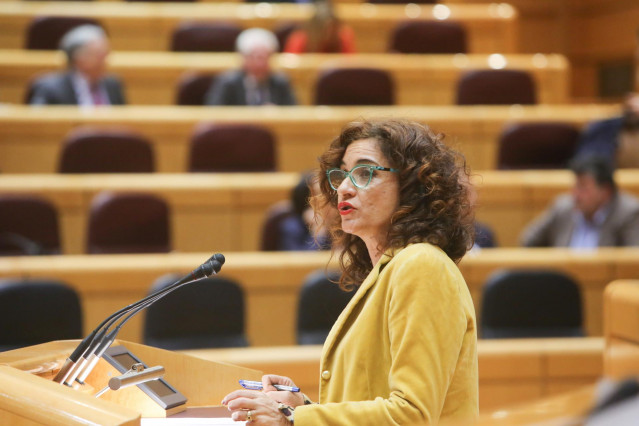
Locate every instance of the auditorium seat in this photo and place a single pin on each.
(192, 88)
(496, 87)
(271, 228)
(205, 37)
(37, 311)
(28, 226)
(540, 145)
(354, 86)
(93, 150)
(128, 223)
(530, 303)
(45, 32)
(232, 148)
(428, 37)
(321, 301)
(205, 314)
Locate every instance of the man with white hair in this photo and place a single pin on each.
(85, 81)
(255, 83)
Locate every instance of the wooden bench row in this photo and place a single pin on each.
(233, 206)
(109, 282)
(151, 78)
(149, 26)
(30, 138)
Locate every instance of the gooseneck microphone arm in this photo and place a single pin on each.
(89, 344)
(106, 341)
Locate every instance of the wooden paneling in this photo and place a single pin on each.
(588, 32)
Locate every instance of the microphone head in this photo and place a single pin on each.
(220, 258)
(215, 266)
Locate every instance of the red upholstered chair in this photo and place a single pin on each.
(37, 311)
(128, 223)
(88, 150)
(28, 225)
(192, 88)
(232, 148)
(205, 37)
(496, 87)
(354, 86)
(444, 37)
(45, 32)
(537, 146)
(271, 230)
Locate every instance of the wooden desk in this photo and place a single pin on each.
(30, 138)
(151, 78)
(148, 26)
(109, 282)
(621, 316)
(510, 371)
(233, 206)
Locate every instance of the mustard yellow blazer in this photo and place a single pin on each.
(404, 350)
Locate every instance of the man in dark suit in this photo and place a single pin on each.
(595, 215)
(255, 83)
(85, 82)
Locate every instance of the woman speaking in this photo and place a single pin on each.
(404, 350)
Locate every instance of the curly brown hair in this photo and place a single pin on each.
(434, 205)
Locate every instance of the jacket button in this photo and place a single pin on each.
(326, 374)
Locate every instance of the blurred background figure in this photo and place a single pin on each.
(484, 235)
(324, 33)
(595, 214)
(302, 230)
(85, 82)
(255, 83)
(616, 138)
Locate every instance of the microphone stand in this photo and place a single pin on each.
(98, 338)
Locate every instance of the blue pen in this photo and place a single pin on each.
(253, 385)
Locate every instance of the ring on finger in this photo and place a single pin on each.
(249, 416)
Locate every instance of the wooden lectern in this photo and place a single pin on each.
(28, 396)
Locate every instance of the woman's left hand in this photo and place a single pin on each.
(254, 407)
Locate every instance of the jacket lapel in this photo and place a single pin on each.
(68, 91)
(368, 283)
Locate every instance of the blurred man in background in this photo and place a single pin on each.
(255, 83)
(596, 214)
(85, 82)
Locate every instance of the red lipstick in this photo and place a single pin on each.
(345, 208)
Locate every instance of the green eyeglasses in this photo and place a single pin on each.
(360, 175)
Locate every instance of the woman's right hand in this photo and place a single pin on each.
(292, 399)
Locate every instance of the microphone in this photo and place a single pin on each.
(98, 337)
(103, 342)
